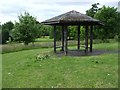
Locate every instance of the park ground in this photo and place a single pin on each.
(21, 69)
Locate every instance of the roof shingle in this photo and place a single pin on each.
(71, 17)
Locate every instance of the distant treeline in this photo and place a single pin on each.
(28, 29)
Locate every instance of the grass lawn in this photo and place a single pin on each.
(21, 71)
(44, 39)
(0, 71)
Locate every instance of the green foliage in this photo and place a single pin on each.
(0, 27)
(8, 25)
(48, 43)
(5, 36)
(0, 34)
(118, 24)
(72, 32)
(45, 30)
(116, 38)
(6, 28)
(108, 16)
(0, 38)
(26, 30)
(58, 32)
(82, 33)
(92, 11)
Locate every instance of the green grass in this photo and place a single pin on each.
(20, 46)
(48, 43)
(100, 46)
(44, 39)
(0, 71)
(21, 71)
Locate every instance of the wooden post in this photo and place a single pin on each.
(65, 38)
(78, 37)
(91, 37)
(54, 39)
(62, 38)
(86, 39)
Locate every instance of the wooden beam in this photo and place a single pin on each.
(65, 38)
(91, 37)
(78, 46)
(86, 39)
(62, 38)
(54, 39)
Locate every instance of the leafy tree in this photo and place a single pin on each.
(0, 34)
(26, 30)
(8, 25)
(6, 28)
(58, 32)
(5, 36)
(109, 16)
(45, 30)
(0, 38)
(72, 32)
(92, 11)
(118, 25)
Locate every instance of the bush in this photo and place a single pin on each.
(116, 38)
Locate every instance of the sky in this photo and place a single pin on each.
(45, 9)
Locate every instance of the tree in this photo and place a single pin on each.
(118, 25)
(72, 32)
(92, 11)
(6, 28)
(5, 36)
(0, 33)
(45, 30)
(58, 32)
(26, 30)
(108, 16)
(8, 25)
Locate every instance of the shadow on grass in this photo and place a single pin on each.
(82, 52)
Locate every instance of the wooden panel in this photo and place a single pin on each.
(62, 38)
(86, 40)
(65, 38)
(78, 46)
(91, 37)
(54, 39)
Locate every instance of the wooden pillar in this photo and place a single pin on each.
(78, 46)
(62, 38)
(54, 38)
(91, 37)
(86, 39)
(65, 38)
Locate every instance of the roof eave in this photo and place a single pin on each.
(50, 22)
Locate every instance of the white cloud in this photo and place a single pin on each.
(45, 9)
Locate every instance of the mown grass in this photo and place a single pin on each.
(100, 46)
(0, 71)
(21, 70)
(48, 43)
(44, 39)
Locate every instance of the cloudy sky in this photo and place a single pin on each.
(45, 9)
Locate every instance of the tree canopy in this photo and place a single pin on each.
(26, 30)
(109, 17)
(6, 28)
(92, 11)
